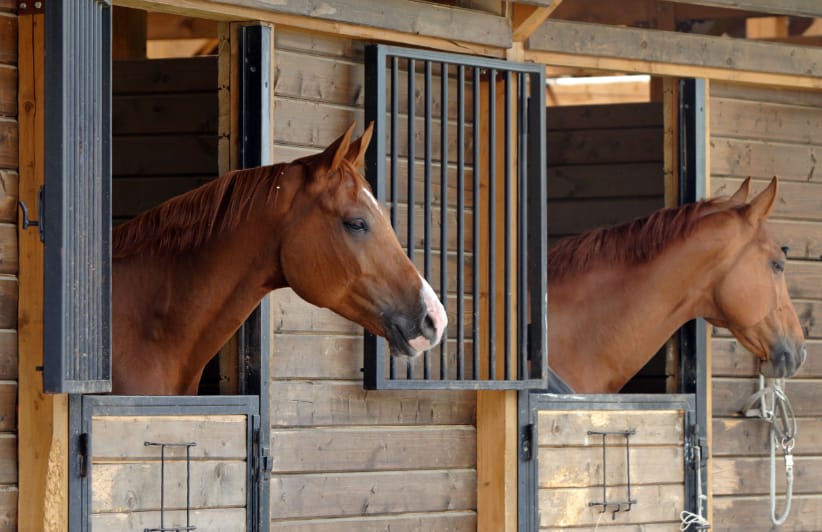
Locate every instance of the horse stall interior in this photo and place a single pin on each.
(762, 132)
(608, 461)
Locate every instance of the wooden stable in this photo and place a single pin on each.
(339, 457)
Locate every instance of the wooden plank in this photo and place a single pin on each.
(525, 19)
(8, 461)
(569, 506)
(8, 249)
(350, 494)
(336, 403)
(164, 76)
(8, 143)
(8, 39)
(738, 476)
(166, 26)
(803, 280)
(8, 91)
(730, 396)
(8, 406)
(774, 122)
(605, 526)
(562, 428)
(573, 217)
(123, 437)
(151, 114)
(798, 200)
(800, 8)
(733, 360)
(216, 520)
(8, 509)
(739, 514)
(401, 21)
(619, 180)
(626, 115)
(8, 355)
(461, 520)
(9, 195)
(374, 449)
(605, 146)
(763, 160)
(136, 486)
(803, 239)
(131, 196)
(193, 155)
(758, 93)
(738, 437)
(580, 467)
(128, 33)
(8, 298)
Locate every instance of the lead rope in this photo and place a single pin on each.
(776, 409)
(696, 519)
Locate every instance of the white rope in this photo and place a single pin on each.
(689, 518)
(776, 409)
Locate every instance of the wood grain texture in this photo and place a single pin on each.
(8, 462)
(745, 437)
(370, 493)
(8, 91)
(139, 114)
(562, 428)
(8, 354)
(580, 467)
(217, 520)
(8, 143)
(171, 155)
(453, 521)
(8, 39)
(733, 360)
(8, 509)
(744, 514)
(9, 194)
(164, 76)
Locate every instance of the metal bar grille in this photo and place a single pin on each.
(473, 189)
(77, 197)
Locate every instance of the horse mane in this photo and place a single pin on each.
(634, 242)
(185, 222)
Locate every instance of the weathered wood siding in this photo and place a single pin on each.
(570, 471)
(346, 459)
(164, 129)
(126, 473)
(762, 132)
(8, 266)
(605, 166)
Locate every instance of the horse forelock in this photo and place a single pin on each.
(186, 222)
(634, 242)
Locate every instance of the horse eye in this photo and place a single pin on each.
(785, 250)
(356, 225)
(778, 266)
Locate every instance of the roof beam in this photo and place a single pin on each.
(527, 18)
(799, 8)
(677, 54)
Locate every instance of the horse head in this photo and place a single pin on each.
(339, 251)
(751, 297)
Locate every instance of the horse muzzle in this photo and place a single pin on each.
(785, 361)
(410, 337)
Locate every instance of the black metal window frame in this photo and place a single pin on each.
(525, 332)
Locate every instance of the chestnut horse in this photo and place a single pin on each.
(616, 295)
(187, 273)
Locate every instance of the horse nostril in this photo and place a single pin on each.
(429, 329)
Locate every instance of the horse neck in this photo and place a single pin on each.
(605, 324)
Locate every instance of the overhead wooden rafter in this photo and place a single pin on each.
(527, 18)
(798, 8)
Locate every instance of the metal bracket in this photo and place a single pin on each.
(620, 506)
(29, 7)
(188, 525)
(26, 222)
(526, 442)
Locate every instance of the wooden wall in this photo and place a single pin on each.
(346, 459)
(762, 132)
(605, 166)
(164, 130)
(8, 266)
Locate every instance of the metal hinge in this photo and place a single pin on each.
(696, 447)
(39, 223)
(526, 442)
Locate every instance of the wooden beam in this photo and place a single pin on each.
(766, 28)
(798, 8)
(400, 21)
(666, 53)
(526, 19)
(128, 33)
(43, 419)
(165, 26)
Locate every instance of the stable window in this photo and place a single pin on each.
(458, 154)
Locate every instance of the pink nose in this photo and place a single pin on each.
(434, 323)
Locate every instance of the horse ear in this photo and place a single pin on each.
(762, 205)
(337, 150)
(356, 152)
(741, 195)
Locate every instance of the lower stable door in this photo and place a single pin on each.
(615, 462)
(164, 463)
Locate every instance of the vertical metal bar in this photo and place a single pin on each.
(162, 486)
(604, 478)
(460, 222)
(395, 106)
(444, 212)
(476, 204)
(628, 465)
(508, 212)
(492, 222)
(188, 486)
(411, 158)
(522, 226)
(427, 191)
